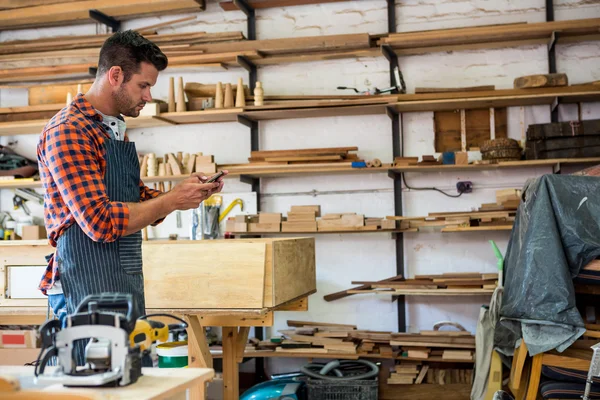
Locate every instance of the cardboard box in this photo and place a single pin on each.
(269, 218)
(259, 227)
(33, 232)
(315, 208)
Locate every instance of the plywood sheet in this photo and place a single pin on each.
(207, 275)
(447, 128)
(295, 270)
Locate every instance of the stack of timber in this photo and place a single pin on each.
(574, 139)
(341, 340)
(460, 221)
(495, 36)
(301, 160)
(417, 373)
(71, 57)
(506, 199)
(305, 219)
(38, 13)
(448, 284)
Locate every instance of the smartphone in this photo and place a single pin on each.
(215, 177)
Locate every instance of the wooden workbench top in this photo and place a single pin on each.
(156, 383)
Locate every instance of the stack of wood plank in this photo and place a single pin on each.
(488, 36)
(574, 139)
(342, 339)
(71, 57)
(417, 373)
(459, 283)
(68, 57)
(37, 13)
(305, 219)
(459, 221)
(506, 199)
(407, 374)
(338, 155)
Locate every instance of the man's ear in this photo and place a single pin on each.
(115, 76)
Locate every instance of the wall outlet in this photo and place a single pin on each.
(464, 186)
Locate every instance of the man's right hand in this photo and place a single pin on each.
(188, 194)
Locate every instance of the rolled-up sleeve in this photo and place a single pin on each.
(73, 160)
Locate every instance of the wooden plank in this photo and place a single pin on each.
(460, 89)
(295, 274)
(230, 365)
(57, 14)
(242, 339)
(304, 158)
(260, 4)
(300, 324)
(144, 30)
(232, 278)
(543, 80)
(302, 152)
(199, 353)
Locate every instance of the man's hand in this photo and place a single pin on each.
(189, 193)
(203, 178)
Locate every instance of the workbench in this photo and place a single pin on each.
(155, 384)
(233, 284)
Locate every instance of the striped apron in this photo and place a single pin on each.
(87, 267)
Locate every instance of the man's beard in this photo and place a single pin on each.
(124, 103)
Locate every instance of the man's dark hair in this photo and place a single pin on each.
(127, 50)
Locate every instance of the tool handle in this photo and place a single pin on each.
(108, 301)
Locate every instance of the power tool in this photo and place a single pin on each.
(117, 342)
(23, 195)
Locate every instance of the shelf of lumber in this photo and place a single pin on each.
(346, 231)
(427, 292)
(495, 36)
(478, 228)
(53, 13)
(501, 165)
(370, 105)
(495, 98)
(36, 126)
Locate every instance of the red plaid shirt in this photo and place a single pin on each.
(72, 164)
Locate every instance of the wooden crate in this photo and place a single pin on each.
(244, 273)
(228, 274)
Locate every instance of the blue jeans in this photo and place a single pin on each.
(59, 307)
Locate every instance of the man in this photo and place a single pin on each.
(95, 203)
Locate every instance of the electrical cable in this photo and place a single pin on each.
(431, 188)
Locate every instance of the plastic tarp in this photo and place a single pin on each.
(556, 233)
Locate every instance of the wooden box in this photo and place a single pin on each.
(228, 274)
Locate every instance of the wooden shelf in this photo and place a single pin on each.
(427, 292)
(437, 359)
(325, 232)
(36, 126)
(501, 165)
(405, 103)
(478, 229)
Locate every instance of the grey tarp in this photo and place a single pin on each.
(556, 233)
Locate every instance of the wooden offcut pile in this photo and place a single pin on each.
(343, 155)
(408, 373)
(306, 219)
(346, 340)
(457, 283)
